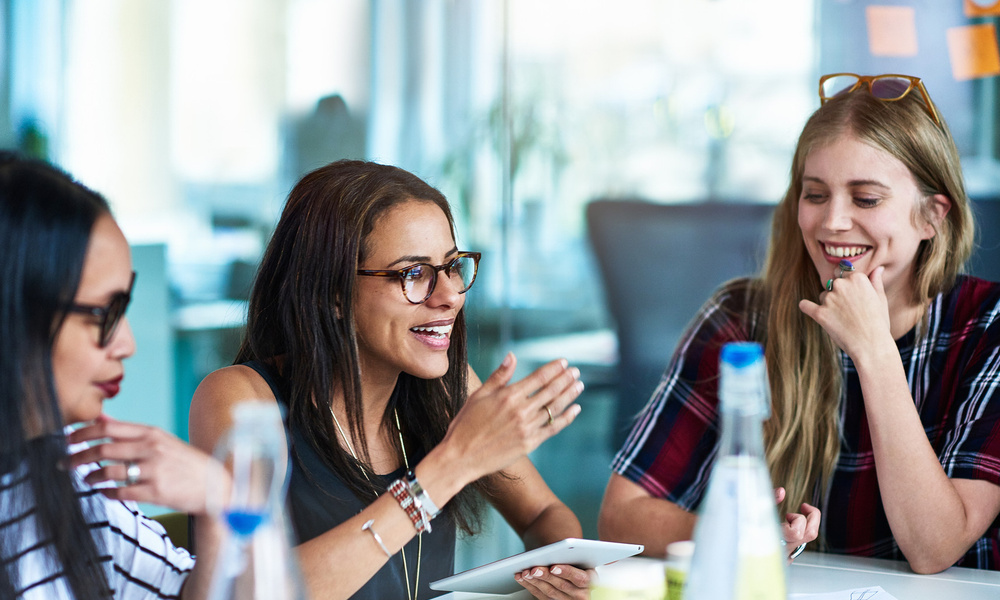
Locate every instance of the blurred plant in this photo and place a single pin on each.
(32, 139)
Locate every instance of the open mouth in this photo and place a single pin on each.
(438, 331)
(845, 251)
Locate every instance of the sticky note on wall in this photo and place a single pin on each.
(982, 8)
(892, 30)
(973, 50)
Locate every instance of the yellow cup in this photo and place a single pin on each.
(676, 568)
(629, 579)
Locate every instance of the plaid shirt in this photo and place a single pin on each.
(954, 377)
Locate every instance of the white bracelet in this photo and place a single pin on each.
(423, 501)
(378, 539)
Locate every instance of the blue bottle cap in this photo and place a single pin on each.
(742, 354)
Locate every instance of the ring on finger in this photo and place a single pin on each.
(132, 472)
(845, 266)
(549, 412)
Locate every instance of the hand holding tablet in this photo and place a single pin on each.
(498, 577)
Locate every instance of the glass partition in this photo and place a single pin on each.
(195, 117)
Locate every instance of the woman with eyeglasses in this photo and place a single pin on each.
(356, 327)
(883, 359)
(64, 533)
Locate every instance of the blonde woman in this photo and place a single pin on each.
(883, 359)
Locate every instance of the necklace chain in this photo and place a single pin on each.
(406, 463)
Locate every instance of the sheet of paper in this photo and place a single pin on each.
(866, 593)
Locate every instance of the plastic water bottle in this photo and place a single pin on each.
(738, 552)
(255, 558)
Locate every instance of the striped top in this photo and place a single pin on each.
(138, 558)
(954, 378)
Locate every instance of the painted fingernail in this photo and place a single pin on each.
(829, 285)
(579, 386)
(556, 571)
(575, 372)
(537, 573)
(563, 362)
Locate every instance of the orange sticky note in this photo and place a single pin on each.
(974, 52)
(892, 30)
(982, 8)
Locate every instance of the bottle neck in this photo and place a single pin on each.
(742, 434)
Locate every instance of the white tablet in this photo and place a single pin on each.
(498, 577)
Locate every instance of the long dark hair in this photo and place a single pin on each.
(45, 224)
(301, 321)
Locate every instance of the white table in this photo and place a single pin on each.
(816, 573)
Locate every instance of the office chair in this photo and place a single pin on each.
(985, 260)
(659, 264)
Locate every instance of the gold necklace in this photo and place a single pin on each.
(406, 463)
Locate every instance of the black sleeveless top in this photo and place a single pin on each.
(318, 501)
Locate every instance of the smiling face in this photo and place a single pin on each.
(860, 203)
(85, 373)
(394, 335)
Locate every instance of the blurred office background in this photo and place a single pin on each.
(195, 118)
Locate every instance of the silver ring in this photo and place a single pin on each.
(132, 472)
(549, 412)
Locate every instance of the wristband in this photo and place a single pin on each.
(423, 500)
(401, 492)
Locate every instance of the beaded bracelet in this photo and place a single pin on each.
(401, 492)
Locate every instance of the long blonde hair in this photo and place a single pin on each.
(802, 435)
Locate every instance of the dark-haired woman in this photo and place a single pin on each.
(67, 279)
(356, 326)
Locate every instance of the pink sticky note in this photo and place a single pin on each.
(974, 52)
(892, 30)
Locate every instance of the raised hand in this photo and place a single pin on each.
(503, 421)
(164, 470)
(855, 312)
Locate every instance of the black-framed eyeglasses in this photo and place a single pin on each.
(887, 88)
(110, 316)
(418, 281)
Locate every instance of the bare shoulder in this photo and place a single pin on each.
(212, 404)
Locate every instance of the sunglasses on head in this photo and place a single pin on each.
(108, 316)
(887, 88)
